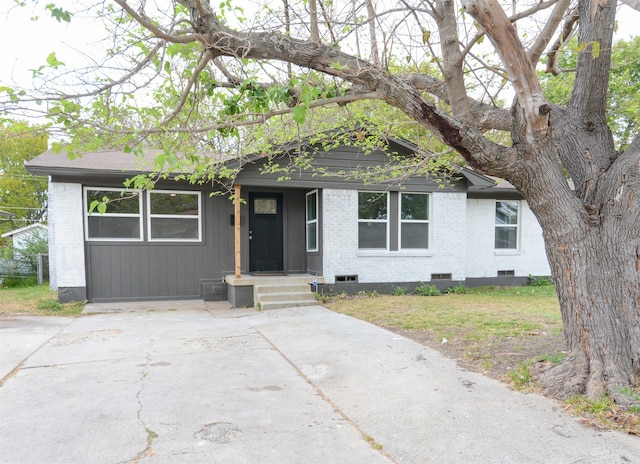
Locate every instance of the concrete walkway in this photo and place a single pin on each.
(201, 385)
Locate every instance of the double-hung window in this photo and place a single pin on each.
(174, 216)
(414, 221)
(122, 219)
(506, 225)
(312, 221)
(373, 216)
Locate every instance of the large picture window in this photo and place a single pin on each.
(312, 221)
(122, 219)
(506, 225)
(414, 221)
(373, 220)
(174, 215)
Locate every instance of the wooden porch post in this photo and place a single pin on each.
(236, 213)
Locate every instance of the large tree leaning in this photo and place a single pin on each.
(591, 230)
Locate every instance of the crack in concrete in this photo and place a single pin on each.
(151, 435)
(20, 365)
(44, 366)
(365, 436)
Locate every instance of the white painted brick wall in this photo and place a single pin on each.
(484, 261)
(340, 242)
(66, 235)
(53, 276)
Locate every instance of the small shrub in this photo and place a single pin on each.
(458, 289)
(399, 291)
(368, 294)
(426, 290)
(539, 281)
(322, 297)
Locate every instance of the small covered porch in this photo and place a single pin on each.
(274, 223)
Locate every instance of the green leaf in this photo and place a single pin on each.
(426, 34)
(53, 61)
(58, 13)
(93, 205)
(299, 113)
(595, 49)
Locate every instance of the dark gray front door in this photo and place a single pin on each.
(265, 232)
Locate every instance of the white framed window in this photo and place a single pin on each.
(373, 220)
(414, 221)
(174, 216)
(122, 219)
(312, 220)
(507, 219)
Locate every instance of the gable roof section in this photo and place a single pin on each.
(118, 165)
(499, 190)
(25, 229)
(94, 163)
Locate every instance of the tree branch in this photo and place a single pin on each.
(522, 74)
(549, 29)
(466, 139)
(150, 26)
(452, 58)
(567, 30)
(635, 4)
(202, 64)
(594, 62)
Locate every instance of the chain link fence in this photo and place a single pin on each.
(19, 273)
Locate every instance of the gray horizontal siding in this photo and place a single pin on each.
(159, 271)
(155, 270)
(340, 159)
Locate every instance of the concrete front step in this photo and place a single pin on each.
(285, 304)
(283, 295)
(282, 288)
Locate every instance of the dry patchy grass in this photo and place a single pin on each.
(35, 300)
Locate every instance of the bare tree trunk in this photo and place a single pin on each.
(598, 284)
(594, 253)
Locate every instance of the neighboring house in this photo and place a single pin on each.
(21, 239)
(22, 236)
(179, 241)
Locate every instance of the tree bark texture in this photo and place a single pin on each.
(598, 283)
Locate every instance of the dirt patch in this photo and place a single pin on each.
(495, 357)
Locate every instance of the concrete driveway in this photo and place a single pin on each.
(201, 385)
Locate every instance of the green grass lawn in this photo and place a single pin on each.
(37, 299)
(493, 330)
(478, 314)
